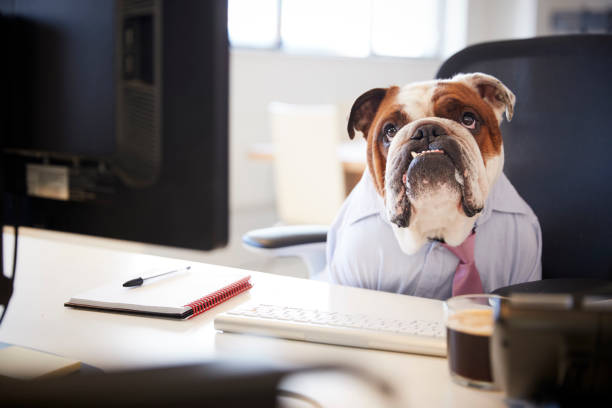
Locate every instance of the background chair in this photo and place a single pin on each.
(558, 146)
(308, 193)
(308, 173)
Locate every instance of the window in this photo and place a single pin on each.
(324, 26)
(253, 23)
(355, 28)
(406, 28)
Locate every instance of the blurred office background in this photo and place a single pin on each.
(297, 66)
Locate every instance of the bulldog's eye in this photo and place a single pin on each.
(389, 130)
(469, 120)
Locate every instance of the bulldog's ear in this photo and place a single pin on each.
(363, 111)
(493, 91)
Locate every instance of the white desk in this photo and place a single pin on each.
(51, 269)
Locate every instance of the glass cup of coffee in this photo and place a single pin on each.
(469, 326)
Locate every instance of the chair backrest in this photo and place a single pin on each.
(558, 147)
(308, 173)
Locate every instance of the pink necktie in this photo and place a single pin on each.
(467, 278)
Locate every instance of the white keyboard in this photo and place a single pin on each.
(356, 330)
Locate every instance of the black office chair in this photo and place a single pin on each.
(558, 147)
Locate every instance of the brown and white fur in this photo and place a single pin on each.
(434, 149)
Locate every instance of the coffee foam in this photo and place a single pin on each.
(478, 322)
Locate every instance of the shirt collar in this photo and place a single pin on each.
(365, 200)
(503, 197)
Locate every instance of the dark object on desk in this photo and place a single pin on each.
(228, 384)
(557, 146)
(562, 285)
(554, 348)
(214, 384)
(114, 118)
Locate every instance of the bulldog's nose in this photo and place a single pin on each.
(429, 132)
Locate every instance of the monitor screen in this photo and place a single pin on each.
(115, 123)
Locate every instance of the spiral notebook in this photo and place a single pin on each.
(181, 296)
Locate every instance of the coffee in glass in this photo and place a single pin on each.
(469, 326)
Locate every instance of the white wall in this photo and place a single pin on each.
(490, 20)
(260, 77)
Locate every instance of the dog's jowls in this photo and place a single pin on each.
(434, 151)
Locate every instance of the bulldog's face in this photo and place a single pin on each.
(434, 151)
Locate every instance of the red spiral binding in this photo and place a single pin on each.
(216, 298)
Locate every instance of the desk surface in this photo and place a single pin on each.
(51, 269)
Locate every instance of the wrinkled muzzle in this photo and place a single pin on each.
(434, 171)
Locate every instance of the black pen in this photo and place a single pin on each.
(140, 281)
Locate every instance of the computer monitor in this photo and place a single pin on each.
(115, 124)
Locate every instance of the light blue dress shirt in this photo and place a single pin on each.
(362, 250)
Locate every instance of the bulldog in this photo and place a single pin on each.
(434, 150)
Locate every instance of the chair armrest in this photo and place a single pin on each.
(304, 241)
(286, 236)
